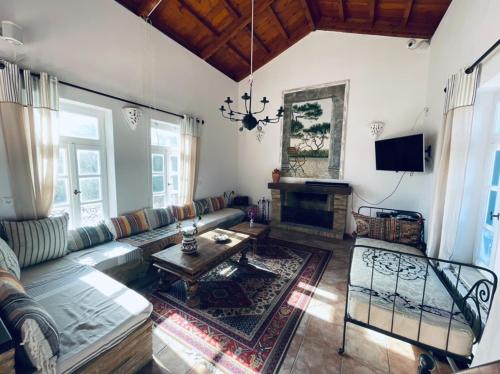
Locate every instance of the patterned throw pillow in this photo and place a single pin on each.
(203, 206)
(159, 217)
(8, 260)
(89, 236)
(389, 229)
(184, 212)
(34, 331)
(218, 203)
(130, 224)
(39, 240)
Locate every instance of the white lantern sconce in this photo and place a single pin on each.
(132, 116)
(376, 128)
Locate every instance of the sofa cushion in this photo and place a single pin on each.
(34, 331)
(107, 256)
(224, 218)
(184, 212)
(218, 203)
(129, 224)
(93, 312)
(159, 217)
(37, 241)
(8, 260)
(87, 237)
(203, 206)
(152, 236)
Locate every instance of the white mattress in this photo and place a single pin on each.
(436, 305)
(93, 312)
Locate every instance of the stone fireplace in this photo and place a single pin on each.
(319, 209)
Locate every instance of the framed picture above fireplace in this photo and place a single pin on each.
(313, 137)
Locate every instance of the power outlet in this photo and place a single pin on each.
(7, 200)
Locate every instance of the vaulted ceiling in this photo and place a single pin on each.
(218, 31)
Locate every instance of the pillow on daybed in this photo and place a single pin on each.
(34, 331)
(130, 224)
(159, 217)
(88, 236)
(39, 240)
(8, 260)
(389, 229)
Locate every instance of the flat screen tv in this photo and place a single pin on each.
(401, 154)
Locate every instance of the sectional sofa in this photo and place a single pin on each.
(104, 325)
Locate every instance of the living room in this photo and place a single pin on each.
(154, 219)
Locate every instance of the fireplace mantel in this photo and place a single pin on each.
(319, 209)
(311, 188)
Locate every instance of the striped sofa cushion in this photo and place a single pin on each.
(203, 206)
(37, 241)
(218, 203)
(129, 224)
(8, 260)
(184, 212)
(34, 331)
(159, 217)
(89, 236)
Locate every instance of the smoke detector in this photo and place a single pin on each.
(11, 32)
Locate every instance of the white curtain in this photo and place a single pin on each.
(190, 133)
(28, 110)
(452, 167)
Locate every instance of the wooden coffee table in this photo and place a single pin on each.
(258, 232)
(172, 264)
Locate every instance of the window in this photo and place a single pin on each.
(81, 187)
(164, 163)
(488, 236)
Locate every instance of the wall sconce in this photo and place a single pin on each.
(132, 115)
(376, 128)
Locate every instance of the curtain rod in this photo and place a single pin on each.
(2, 66)
(470, 69)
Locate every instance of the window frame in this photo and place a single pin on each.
(74, 144)
(168, 152)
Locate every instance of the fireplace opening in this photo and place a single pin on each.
(306, 208)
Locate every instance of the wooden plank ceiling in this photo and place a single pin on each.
(218, 31)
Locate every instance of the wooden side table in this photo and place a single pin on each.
(258, 232)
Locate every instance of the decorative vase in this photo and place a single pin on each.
(251, 222)
(189, 245)
(276, 176)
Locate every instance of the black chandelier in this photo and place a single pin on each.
(248, 119)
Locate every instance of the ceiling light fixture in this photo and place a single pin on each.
(248, 119)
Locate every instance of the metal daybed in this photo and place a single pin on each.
(395, 289)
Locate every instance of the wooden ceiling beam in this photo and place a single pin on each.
(407, 12)
(257, 39)
(361, 26)
(234, 28)
(278, 23)
(341, 10)
(372, 4)
(308, 14)
(238, 53)
(198, 17)
(148, 7)
(231, 9)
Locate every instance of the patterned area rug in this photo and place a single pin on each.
(246, 320)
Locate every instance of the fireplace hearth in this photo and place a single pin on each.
(313, 209)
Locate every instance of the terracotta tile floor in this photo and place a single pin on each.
(313, 348)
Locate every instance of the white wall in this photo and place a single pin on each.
(467, 30)
(387, 83)
(101, 45)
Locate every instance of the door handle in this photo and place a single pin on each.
(76, 192)
(497, 216)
